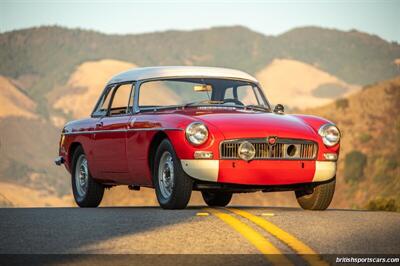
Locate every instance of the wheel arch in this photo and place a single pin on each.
(72, 148)
(155, 142)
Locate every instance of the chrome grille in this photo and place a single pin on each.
(304, 149)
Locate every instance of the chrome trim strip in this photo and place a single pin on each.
(121, 130)
(155, 128)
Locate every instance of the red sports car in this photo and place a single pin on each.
(178, 129)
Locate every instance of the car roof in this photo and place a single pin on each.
(179, 72)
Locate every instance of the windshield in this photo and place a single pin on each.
(200, 91)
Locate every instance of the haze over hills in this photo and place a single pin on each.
(50, 75)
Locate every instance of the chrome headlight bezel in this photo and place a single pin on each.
(330, 134)
(196, 133)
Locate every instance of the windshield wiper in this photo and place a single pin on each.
(205, 102)
(257, 107)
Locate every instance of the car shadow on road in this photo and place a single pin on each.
(66, 230)
(54, 236)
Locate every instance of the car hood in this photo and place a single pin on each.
(243, 124)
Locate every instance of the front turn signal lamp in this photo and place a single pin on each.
(330, 156)
(203, 155)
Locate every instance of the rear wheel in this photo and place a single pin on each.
(172, 185)
(217, 199)
(87, 192)
(317, 198)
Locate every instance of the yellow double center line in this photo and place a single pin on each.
(261, 243)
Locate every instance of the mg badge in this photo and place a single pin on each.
(272, 140)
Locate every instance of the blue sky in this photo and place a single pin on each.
(268, 17)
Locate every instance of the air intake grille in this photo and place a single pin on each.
(288, 149)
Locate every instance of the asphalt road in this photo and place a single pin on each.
(198, 230)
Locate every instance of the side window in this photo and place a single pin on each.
(121, 101)
(104, 102)
(229, 93)
(246, 95)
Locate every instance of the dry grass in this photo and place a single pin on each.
(15, 195)
(292, 83)
(86, 84)
(13, 102)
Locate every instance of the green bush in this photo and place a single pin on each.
(365, 137)
(354, 165)
(383, 204)
(383, 168)
(342, 103)
(393, 162)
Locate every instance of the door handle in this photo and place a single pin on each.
(99, 124)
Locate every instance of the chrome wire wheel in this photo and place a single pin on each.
(81, 175)
(166, 175)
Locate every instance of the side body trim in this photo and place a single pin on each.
(120, 130)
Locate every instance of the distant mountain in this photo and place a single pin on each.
(45, 57)
(353, 56)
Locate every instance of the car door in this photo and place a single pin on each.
(110, 134)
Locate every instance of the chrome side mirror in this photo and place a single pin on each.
(279, 109)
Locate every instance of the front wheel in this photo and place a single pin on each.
(216, 199)
(317, 198)
(173, 186)
(87, 192)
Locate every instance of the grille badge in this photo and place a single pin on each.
(271, 140)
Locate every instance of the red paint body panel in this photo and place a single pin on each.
(266, 172)
(121, 156)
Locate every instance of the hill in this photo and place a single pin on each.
(43, 58)
(300, 85)
(85, 85)
(15, 195)
(13, 102)
(370, 128)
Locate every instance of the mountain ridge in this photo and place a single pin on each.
(51, 53)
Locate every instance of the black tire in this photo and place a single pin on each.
(181, 188)
(216, 199)
(92, 194)
(317, 198)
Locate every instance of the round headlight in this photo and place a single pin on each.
(246, 151)
(330, 134)
(196, 133)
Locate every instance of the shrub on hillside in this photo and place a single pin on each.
(342, 103)
(383, 168)
(354, 165)
(383, 204)
(365, 137)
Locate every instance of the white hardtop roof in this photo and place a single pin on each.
(180, 72)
